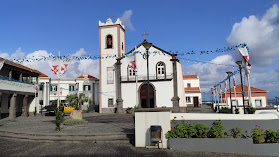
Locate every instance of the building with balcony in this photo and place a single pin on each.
(192, 89)
(87, 84)
(119, 80)
(19, 92)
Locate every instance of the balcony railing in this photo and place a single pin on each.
(141, 78)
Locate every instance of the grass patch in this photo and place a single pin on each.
(75, 122)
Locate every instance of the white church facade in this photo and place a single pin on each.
(118, 86)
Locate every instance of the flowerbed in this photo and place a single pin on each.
(193, 130)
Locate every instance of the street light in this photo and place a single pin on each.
(147, 46)
(229, 75)
(239, 63)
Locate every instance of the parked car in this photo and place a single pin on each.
(63, 107)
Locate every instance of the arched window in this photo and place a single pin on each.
(109, 42)
(131, 72)
(161, 70)
(122, 46)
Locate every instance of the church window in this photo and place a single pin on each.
(131, 72)
(109, 42)
(110, 102)
(161, 70)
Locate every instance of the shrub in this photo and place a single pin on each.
(271, 136)
(75, 122)
(224, 110)
(58, 119)
(258, 134)
(187, 130)
(251, 110)
(35, 112)
(238, 133)
(236, 110)
(216, 131)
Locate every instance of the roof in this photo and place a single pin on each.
(89, 76)
(189, 76)
(191, 89)
(19, 65)
(239, 90)
(43, 75)
(145, 41)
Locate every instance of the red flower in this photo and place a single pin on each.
(181, 116)
(174, 117)
(256, 125)
(262, 129)
(172, 128)
(187, 121)
(259, 126)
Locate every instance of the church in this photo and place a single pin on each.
(122, 87)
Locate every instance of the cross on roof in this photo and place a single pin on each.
(144, 34)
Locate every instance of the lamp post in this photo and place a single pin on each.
(229, 75)
(276, 103)
(212, 95)
(239, 63)
(147, 46)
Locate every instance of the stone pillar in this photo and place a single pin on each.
(20, 77)
(12, 109)
(119, 96)
(10, 74)
(175, 99)
(25, 106)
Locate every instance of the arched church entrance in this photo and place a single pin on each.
(144, 96)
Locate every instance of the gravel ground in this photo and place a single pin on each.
(97, 124)
(11, 148)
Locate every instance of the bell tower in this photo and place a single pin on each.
(111, 45)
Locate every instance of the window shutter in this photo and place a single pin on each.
(83, 87)
(88, 87)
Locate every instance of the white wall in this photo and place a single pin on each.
(143, 121)
(195, 82)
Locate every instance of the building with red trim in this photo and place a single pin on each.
(192, 91)
(258, 96)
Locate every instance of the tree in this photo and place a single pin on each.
(77, 101)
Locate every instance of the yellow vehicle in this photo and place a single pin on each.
(67, 108)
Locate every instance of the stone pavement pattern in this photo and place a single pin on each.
(32, 148)
(97, 124)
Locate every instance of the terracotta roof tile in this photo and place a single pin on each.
(89, 76)
(19, 65)
(239, 90)
(43, 75)
(189, 76)
(192, 89)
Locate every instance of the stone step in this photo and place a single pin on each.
(70, 138)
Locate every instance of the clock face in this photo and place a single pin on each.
(144, 56)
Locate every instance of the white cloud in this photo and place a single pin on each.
(210, 74)
(260, 34)
(18, 53)
(126, 19)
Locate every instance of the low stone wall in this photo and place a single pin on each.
(226, 145)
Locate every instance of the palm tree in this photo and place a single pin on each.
(77, 101)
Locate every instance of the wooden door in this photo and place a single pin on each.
(144, 96)
(196, 102)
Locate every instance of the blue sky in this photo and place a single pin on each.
(72, 27)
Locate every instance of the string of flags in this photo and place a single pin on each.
(79, 58)
(225, 80)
